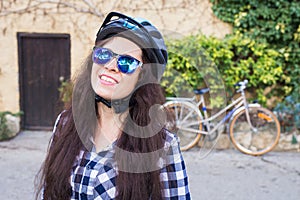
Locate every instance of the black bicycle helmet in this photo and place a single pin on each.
(139, 31)
(142, 33)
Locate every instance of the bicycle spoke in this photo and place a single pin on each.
(187, 124)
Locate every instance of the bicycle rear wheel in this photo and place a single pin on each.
(260, 139)
(187, 123)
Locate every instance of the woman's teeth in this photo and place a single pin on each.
(107, 79)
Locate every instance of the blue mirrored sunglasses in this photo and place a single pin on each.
(126, 64)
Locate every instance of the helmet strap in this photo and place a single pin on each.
(102, 100)
(119, 105)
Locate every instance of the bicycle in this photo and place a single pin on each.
(253, 130)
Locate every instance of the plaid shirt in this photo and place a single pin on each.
(94, 174)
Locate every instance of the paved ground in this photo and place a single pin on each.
(231, 175)
(221, 175)
(20, 159)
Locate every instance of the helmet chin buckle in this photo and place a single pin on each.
(120, 105)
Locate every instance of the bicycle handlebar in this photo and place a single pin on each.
(241, 83)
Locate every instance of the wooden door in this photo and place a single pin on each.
(43, 60)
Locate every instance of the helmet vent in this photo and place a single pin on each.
(155, 34)
(145, 23)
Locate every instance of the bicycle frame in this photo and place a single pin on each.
(240, 102)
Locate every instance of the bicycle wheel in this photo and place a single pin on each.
(260, 139)
(187, 123)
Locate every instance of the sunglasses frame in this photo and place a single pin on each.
(117, 56)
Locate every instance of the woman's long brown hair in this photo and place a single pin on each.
(54, 176)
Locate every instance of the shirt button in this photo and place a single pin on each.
(88, 167)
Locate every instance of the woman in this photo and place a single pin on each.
(111, 143)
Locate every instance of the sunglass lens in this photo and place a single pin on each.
(127, 64)
(102, 55)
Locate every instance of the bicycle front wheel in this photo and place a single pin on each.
(259, 139)
(187, 123)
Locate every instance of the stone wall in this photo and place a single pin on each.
(81, 19)
(285, 143)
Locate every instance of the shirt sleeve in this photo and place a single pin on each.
(173, 175)
(54, 132)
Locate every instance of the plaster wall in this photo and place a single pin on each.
(174, 18)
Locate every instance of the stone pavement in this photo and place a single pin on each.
(229, 174)
(222, 175)
(20, 160)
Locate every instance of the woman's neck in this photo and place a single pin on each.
(109, 127)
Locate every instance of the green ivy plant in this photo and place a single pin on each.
(235, 58)
(273, 22)
(65, 92)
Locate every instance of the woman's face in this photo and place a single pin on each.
(107, 81)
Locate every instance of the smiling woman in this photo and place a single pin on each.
(112, 142)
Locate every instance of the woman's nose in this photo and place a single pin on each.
(112, 65)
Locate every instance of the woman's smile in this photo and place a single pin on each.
(107, 80)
